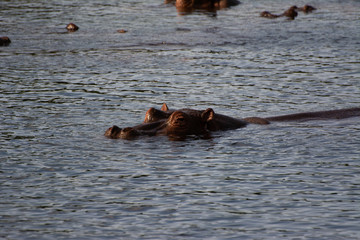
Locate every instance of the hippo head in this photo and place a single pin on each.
(181, 123)
(291, 13)
(176, 124)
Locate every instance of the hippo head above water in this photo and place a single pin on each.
(215, 121)
(177, 124)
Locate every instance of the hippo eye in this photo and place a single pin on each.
(180, 119)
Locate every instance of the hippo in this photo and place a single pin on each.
(71, 27)
(188, 6)
(4, 41)
(177, 124)
(215, 121)
(153, 115)
(291, 13)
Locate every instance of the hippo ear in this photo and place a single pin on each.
(164, 107)
(208, 115)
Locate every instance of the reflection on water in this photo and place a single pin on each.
(61, 178)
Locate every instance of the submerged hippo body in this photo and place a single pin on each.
(180, 123)
(320, 115)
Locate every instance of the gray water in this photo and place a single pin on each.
(62, 179)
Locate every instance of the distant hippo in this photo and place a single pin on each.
(71, 27)
(187, 6)
(4, 41)
(177, 124)
(291, 13)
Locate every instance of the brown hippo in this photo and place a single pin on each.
(221, 122)
(178, 124)
(71, 27)
(188, 6)
(4, 41)
(291, 13)
(215, 121)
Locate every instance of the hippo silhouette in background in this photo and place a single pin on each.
(177, 124)
(291, 13)
(188, 6)
(5, 41)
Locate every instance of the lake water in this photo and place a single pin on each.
(60, 178)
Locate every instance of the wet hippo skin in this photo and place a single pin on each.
(215, 122)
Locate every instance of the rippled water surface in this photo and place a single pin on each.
(62, 179)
